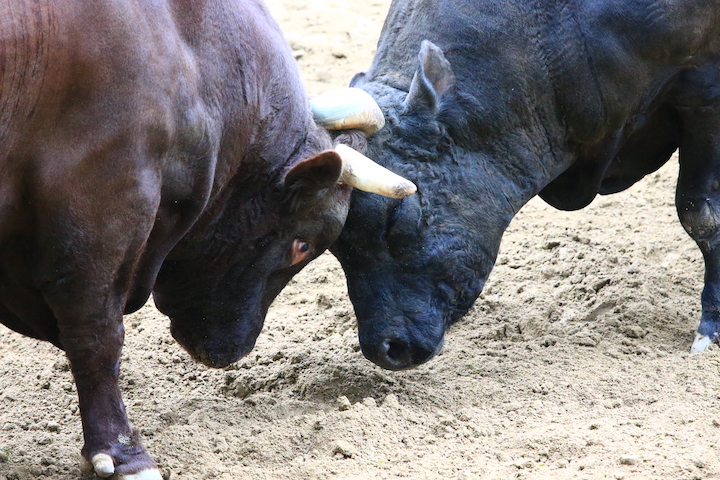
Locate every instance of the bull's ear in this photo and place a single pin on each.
(315, 173)
(433, 80)
(358, 79)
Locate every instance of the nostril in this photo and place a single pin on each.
(401, 354)
(421, 355)
(397, 352)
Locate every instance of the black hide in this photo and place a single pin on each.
(489, 103)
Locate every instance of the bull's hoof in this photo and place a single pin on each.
(152, 474)
(102, 466)
(708, 332)
(700, 344)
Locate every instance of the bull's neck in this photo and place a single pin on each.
(516, 159)
(501, 153)
(523, 163)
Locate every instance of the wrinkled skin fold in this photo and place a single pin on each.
(489, 103)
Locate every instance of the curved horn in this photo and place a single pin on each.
(362, 173)
(346, 108)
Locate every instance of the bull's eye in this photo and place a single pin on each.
(301, 249)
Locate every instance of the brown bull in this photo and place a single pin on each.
(163, 146)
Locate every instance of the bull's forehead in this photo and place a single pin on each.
(386, 89)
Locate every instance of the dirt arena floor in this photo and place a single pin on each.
(573, 364)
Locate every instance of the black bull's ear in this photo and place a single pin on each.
(315, 173)
(433, 79)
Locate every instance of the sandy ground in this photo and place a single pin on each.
(572, 365)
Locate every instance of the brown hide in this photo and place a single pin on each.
(126, 126)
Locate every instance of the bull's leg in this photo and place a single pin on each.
(89, 250)
(93, 347)
(91, 332)
(698, 205)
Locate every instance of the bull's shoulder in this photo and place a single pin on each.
(98, 94)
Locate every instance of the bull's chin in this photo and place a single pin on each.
(218, 355)
(213, 361)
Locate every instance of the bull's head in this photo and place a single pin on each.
(219, 281)
(415, 265)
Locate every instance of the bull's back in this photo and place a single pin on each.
(596, 53)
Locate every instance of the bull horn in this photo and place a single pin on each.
(347, 108)
(362, 173)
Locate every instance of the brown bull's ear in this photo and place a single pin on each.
(315, 173)
(433, 79)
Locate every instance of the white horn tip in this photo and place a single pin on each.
(364, 174)
(403, 190)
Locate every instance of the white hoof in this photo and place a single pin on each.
(153, 474)
(701, 343)
(103, 465)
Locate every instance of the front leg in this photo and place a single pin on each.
(89, 319)
(698, 205)
(85, 258)
(93, 347)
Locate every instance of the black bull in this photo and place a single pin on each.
(512, 99)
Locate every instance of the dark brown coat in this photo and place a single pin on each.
(140, 138)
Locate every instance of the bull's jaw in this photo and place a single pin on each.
(216, 331)
(216, 350)
(402, 311)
